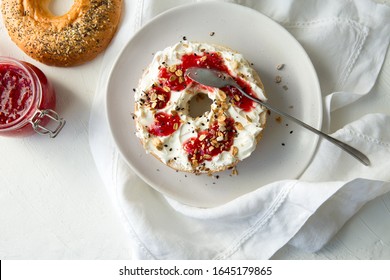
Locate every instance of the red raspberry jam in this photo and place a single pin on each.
(210, 142)
(164, 124)
(27, 100)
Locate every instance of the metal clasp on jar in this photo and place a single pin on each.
(40, 115)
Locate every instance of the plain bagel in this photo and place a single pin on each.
(71, 39)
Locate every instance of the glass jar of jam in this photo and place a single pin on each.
(27, 101)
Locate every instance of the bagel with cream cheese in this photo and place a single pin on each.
(225, 134)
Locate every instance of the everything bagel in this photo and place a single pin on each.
(70, 39)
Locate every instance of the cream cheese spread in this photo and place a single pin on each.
(222, 136)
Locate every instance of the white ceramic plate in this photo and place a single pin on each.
(285, 150)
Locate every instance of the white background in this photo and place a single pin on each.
(53, 204)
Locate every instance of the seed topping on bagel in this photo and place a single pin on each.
(70, 39)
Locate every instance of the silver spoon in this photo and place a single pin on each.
(218, 79)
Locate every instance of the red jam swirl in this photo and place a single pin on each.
(211, 142)
(157, 97)
(16, 93)
(164, 124)
(237, 98)
(173, 77)
(24, 89)
(210, 60)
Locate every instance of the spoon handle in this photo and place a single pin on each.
(352, 151)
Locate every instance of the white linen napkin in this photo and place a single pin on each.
(347, 42)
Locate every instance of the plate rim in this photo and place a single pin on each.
(148, 180)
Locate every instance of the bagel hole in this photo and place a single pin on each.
(60, 7)
(199, 104)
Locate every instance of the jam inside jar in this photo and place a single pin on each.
(27, 101)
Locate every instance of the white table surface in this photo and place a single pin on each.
(53, 204)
